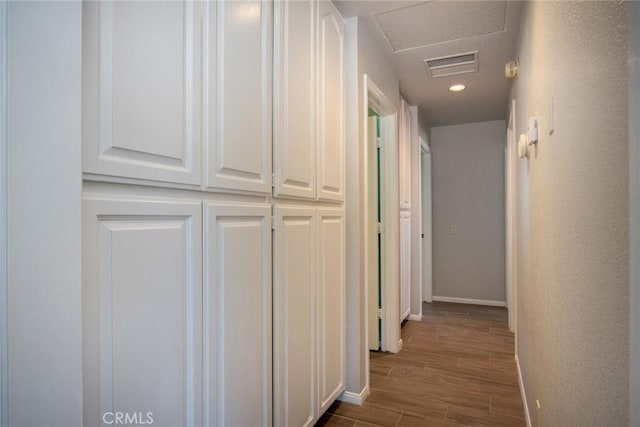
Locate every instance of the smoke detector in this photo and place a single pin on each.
(452, 65)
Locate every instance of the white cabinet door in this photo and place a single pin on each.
(238, 65)
(405, 264)
(142, 311)
(331, 319)
(331, 149)
(294, 99)
(404, 155)
(237, 315)
(141, 90)
(294, 313)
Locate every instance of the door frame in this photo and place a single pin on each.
(375, 99)
(511, 218)
(426, 221)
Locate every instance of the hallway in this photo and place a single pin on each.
(456, 367)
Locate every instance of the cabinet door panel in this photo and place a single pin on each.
(238, 130)
(331, 287)
(294, 99)
(294, 313)
(405, 264)
(141, 90)
(331, 150)
(142, 315)
(238, 314)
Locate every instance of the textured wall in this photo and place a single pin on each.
(468, 192)
(572, 209)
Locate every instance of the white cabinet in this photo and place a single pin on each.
(237, 314)
(331, 300)
(331, 150)
(405, 264)
(309, 312)
(294, 98)
(141, 90)
(294, 315)
(404, 154)
(238, 123)
(142, 310)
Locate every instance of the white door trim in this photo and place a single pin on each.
(376, 99)
(634, 212)
(511, 218)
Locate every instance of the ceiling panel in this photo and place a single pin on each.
(437, 22)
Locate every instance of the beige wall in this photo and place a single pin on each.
(468, 192)
(572, 207)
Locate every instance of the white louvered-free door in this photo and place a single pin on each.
(294, 95)
(331, 301)
(142, 311)
(237, 313)
(405, 264)
(141, 90)
(331, 149)
(238, 70)
(294, 313)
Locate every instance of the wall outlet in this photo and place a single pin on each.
(453, 229)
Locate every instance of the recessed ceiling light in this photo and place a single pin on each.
(457, 88)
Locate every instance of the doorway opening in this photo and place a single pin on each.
(381, 226)
(427, 267)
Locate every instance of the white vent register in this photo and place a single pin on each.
(452, 65)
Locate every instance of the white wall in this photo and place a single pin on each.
(44, 319)
(573, 285)
(468, 192)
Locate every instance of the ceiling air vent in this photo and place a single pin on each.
(452, 65)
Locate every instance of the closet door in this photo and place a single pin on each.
(237, 315)
(405, 264)
(331, 149)
(294, 99)
(294, 311)
(141, 89)
(331, 300)
(238, 72)
(142, 311)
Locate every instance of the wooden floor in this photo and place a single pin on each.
(456, 368)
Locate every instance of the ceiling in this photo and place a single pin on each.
(409, 32)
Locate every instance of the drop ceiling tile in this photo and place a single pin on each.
(437, 21)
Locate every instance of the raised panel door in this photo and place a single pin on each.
(295, 156)
(237, 315)
(331, 300)
(239, 68)
(142, 311)
(294, 312)
(142, 73)
(331, 149)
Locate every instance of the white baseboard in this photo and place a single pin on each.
(527, 415)
(417, 317)
(471, 301)
(354, 398)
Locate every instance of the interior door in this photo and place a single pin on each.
(405, 264)
(373, 238)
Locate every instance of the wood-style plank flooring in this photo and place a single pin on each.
(456, 368)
